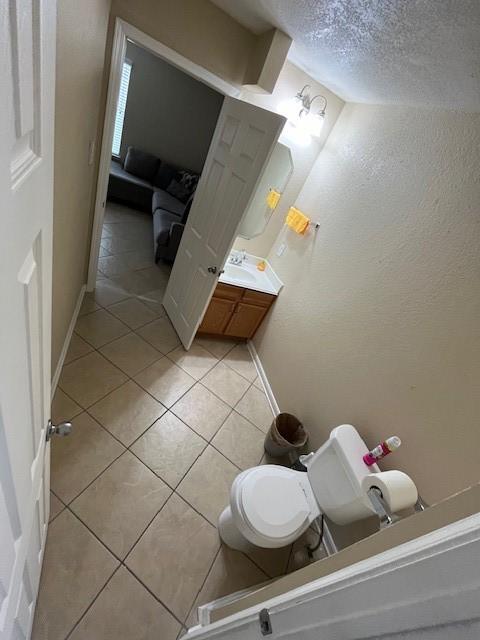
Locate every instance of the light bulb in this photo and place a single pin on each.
(290, 109)
(312, 123)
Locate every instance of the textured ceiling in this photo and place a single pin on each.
(423, 52)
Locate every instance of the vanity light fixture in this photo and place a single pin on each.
(304, 118)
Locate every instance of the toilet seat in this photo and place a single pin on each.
(271, 505)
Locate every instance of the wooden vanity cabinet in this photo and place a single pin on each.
(235, 312)
(217, 316)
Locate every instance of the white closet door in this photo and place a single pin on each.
(27, 93)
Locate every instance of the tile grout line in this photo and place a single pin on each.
(67, 504)
(203, 582)
(153, 594)
(91, 604)
(121, 563)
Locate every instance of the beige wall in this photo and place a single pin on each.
(290, 81)
(267, 60)
(81, 33)
(197, 29)
(169, 113)
(379, 321)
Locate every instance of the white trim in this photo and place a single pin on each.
(124, 30)
(328, 541)
(205, 610)
(443, 588)
(68, 337)
(263, 377)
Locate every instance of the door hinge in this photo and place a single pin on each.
(265, 623)
(62, 429)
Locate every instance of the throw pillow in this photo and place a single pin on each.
(165, 174)
(189, 180)
(178, 190)
(183, 185)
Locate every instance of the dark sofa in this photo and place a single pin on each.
(146, 183)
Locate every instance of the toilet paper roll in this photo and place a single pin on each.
(398, 489)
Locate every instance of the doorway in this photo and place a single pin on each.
(121, 225)
(243, 141)
(162, 129)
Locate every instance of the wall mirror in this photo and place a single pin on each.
(275, 178)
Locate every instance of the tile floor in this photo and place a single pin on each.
(159, 435)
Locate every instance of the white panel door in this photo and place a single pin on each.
(241, 146)
(27, 92)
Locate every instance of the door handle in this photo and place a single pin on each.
(215, 270)
(62, 429)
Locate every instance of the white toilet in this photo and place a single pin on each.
(271, 506)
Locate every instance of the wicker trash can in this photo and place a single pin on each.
(285, 434)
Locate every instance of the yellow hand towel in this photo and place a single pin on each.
(273, 198)
(297, 221)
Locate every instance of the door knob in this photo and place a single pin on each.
(215, 270)
(62, 429)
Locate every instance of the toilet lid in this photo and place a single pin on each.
(273, 501)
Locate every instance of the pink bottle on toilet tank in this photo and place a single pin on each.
(382, 450)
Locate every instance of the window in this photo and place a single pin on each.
(121, 105)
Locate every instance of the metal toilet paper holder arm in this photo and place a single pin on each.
(420, 504)
(381, 508)
(384, 512)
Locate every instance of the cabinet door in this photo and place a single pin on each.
(258, 298)
(245, 320)
(217, 316)
(228, 291)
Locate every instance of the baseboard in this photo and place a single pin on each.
(328, 541)
(263, 377)
(68, 337)
(205, 610)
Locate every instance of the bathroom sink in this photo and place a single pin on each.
(248, 276)
(236, 272)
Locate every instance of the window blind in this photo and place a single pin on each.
(121, 105)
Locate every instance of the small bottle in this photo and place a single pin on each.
(382, 450)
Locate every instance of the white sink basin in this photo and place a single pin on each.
(248, 276)
(235, 272)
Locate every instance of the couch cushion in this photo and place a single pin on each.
(163, 200)
(162, 221)
(117, 171)
(164, 175)
(141, 164)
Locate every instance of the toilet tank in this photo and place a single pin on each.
(335, 474)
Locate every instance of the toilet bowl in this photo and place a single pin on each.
(271, 506)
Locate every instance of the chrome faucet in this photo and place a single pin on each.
(238, 257)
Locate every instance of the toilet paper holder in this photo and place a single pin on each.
(383, 511)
